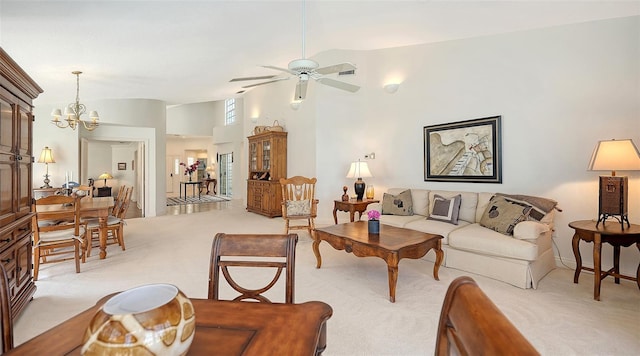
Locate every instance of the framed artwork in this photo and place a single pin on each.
(464, 151)
(122, 166)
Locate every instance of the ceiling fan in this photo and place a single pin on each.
(304, 69)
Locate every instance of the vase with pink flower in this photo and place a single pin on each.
(374, 222)
(189, 169)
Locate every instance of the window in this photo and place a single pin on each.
(230, 111)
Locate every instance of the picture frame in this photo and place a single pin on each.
(122, 166)
(464, 151)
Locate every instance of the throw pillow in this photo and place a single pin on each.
(446, 210)
(502, 215)
(400, 204)
(298, 207)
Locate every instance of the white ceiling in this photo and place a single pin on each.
(187, 51)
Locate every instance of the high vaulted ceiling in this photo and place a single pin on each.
(187, 51)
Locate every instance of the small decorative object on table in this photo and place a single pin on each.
(370, 191)
(154, 319)
(188, 170)
(374, 223)
(345, 196)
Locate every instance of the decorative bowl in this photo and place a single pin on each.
(154, 319)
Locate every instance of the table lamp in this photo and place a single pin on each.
(210, 171)
(614, 155)
(105, 176)
(46, 157)
(359, 170)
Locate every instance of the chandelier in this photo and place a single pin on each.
(74, 111)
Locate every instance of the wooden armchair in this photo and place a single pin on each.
(234, 252)
(57, 231)
(299, 202)
(470, 324)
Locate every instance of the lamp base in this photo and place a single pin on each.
(613, 200)
(358, 186)
(46, 181)
(621, 219)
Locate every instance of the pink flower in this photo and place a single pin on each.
(373, 215)
(190, 169)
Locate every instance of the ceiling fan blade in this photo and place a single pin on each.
(341, 67)
(340, 85)
(301, 90)
(281, 69)
(253, 78)
(263, 83)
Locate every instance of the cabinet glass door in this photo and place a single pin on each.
(266, 155)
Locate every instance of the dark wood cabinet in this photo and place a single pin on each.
(17, 91)
(267, 164)
(103, 192)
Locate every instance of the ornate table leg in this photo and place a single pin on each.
(616, 262)
(335, 216)
(316, 251)
(392, 268)
(102, 233)
(576, 253)
(597, 268)
(352, 214)
(439, 258)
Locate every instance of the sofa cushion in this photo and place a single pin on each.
(539, 206)
(400, 204)
(446, 210)
(399, 220)
(502, 215)
(529, 230)
(478, 239)
(419, 198)
(468, 203)
(435, 227)
(298, 207)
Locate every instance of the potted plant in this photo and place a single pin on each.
(374, 222)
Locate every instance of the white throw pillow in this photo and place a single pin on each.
(446, 210)
(298, 207)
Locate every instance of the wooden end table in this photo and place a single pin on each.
(612, 234)
(351, 206)
(392, 244)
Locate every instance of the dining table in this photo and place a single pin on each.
(93, 207)
(222, 328)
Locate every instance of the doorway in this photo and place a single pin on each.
(226, 174)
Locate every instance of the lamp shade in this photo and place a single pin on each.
(615, 155)
(359, 170)
(46, 156)
(105, 175)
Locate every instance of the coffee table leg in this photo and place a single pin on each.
(316, 251)
(393, 280)
(436, 266)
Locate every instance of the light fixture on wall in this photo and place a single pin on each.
(295, 105)
(105, 176)
(614, 155)
(74, 111)
(46, 157)
(359, 170)
(391, 87)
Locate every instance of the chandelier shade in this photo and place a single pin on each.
(73, 112)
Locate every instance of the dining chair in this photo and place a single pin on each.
(117, 201)
(6, 322)
(471, 324)
(299, 203)
(115, 226)
(83, 191)
(232, 253)
(57, 231)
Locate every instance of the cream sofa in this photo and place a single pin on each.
(521, 260)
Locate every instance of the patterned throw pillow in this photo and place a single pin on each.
(502, 215)
(400, 204)
(446, 210)
(298, 207)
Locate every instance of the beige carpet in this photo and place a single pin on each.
(559, 318)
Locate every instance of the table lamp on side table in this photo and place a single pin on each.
(105, 176)
(359, 170)
(613, 155)
(46, 157)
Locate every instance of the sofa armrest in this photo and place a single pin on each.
(530, 230)
(373, 206)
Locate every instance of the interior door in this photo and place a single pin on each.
(173, 177)
(226, 174)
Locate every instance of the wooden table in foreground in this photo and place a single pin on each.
(610, 232)
(392, 244)
(222, 328)
(95, 207)
(351, 206)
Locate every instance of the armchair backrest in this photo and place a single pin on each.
(298, 196)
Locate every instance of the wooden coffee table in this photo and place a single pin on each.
(392, 244)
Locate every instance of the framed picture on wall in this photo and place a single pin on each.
(464, 151)
(122, 166)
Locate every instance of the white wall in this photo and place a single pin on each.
(559, 91)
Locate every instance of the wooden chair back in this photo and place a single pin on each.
(84, 191)
(123, 205)
(470, 324)
(118, 199)
(6, 322)
(56, 226)
(252, 251)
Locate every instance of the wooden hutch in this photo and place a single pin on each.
(17, 91)
(267, 164)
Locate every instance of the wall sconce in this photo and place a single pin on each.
(254, 119)
(391, 87)
(614, 155)
(295, 105)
